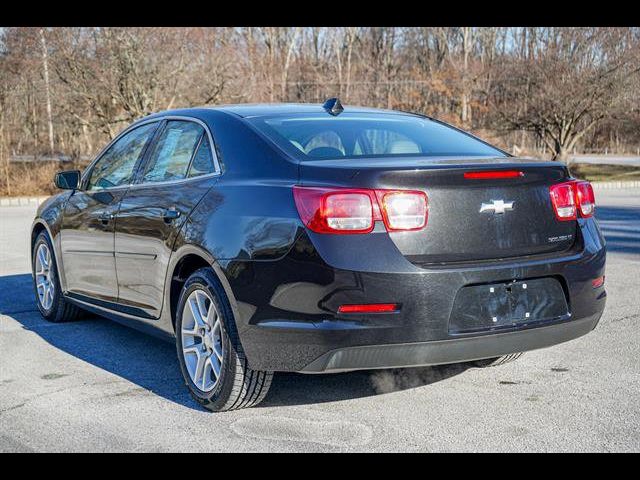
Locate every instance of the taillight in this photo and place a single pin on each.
(571, 198)
(403, 210)
(346, 210)
(326, 210)
(585, 199)
(563, 200)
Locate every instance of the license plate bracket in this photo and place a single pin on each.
(507, 305)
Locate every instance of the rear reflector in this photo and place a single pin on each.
(597, 282)
(563, 201)
(485, 175)
(369, 308)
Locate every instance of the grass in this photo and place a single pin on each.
(602, 173)
(30, 178)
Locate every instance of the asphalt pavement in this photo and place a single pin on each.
(94, 385)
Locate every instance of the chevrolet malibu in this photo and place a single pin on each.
(319, 239)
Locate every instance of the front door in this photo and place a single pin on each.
(88, 225)
(177, 172)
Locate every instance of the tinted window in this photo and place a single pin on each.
(172, 152)
(202, 163)
(321, 136)
(116, 166)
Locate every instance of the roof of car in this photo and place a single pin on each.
(260, 109)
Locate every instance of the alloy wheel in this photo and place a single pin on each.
(202, 346)
(44, 276)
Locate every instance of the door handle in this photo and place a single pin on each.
(170, 214)
(106, 217)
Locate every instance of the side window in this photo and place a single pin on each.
(116, 165)
(173, 151)
(202, 161)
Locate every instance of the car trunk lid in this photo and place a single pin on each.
(469, 219)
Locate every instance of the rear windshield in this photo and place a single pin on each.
(321, 136)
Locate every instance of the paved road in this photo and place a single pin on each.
(98, 386)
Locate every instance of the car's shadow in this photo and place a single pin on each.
(151, 363)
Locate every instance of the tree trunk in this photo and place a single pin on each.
(560, 152)
(4, 154)
(467, 45)
(45, 71)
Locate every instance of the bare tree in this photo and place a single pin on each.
(571, 80)
(71, 89)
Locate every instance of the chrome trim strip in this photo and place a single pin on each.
(141, 256)
(96, 253)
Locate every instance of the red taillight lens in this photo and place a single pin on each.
(597, 282)
(585, 199)
(345, 210)
(563, 200)
(571, 198)
(370, 308)
(485, 175)
(403, 210)
(326, 210)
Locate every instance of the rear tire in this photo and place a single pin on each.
(46, 284)
(211, 357)
(497, 361)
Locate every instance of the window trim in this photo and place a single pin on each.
(142, 161)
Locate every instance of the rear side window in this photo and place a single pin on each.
(351, 135)
(116, 166)
(202, 163)
(172, 153)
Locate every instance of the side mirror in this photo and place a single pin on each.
(69, 180)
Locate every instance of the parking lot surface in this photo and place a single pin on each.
(97, 386)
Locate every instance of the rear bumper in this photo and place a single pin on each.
(449, 351)
(291, 322)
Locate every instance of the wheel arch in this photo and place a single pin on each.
(186, 260)
(40, 225)
(37, 228)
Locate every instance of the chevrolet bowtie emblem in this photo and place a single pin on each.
(496, 206)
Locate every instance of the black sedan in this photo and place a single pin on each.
(319, 238)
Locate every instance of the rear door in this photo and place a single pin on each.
(177, 171)
(87, 233)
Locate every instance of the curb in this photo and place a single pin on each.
(21, 201)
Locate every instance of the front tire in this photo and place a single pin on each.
(212, 361)
(46, 284)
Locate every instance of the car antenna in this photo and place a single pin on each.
(333, 106)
